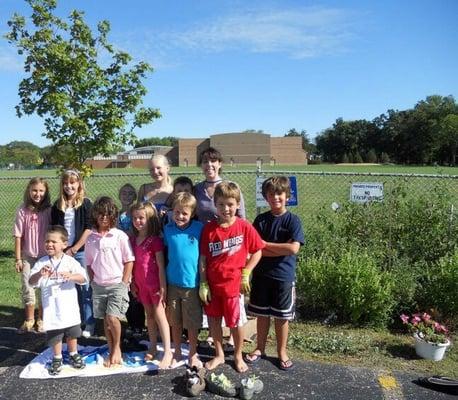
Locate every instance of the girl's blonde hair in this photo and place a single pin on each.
(161, 159)
(154, 225)
(29, 203)
(71, 174)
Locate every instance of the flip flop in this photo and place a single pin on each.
(253, 357)
(286, 365)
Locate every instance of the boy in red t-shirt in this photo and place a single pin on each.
(225, 270)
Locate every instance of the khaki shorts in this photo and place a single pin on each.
(28, 292)
(184, 307)
(110, 300)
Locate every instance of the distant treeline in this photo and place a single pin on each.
(425, 134)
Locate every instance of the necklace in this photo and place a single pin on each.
(217, 181)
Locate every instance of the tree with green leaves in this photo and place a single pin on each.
(306, 144)
(157, 141)
(21, 154)
(449, 134)
(87, 107)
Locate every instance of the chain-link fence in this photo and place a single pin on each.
(315, 190)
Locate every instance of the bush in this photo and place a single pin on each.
(407, 240)
(440, 287)
(351, 286)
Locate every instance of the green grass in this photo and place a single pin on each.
(366, 347)
(359, 168)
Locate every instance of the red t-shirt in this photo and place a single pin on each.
(226, 251)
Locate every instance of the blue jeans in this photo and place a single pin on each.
(84, 295)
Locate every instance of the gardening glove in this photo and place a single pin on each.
(204, 292)
(245, 286)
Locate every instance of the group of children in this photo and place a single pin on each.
(167, 261)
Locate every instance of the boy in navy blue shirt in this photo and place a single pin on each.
(273, 282)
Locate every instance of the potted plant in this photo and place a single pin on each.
(431, 337)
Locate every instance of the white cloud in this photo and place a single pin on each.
(296, 33)
(299, 33)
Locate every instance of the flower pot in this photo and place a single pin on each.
(429, 350)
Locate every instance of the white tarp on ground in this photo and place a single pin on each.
(94, 356)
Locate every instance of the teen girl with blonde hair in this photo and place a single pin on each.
(157, 192)
(72, 210)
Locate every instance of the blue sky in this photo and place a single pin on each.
(271, 65)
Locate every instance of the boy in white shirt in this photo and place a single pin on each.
(56, 275)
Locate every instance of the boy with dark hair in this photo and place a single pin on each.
(56, 275)
(273, 287)
(225, 269)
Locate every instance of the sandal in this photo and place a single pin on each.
(76, 361)
(254, 357)
(56, 366)
(27, 326)
(286, 365)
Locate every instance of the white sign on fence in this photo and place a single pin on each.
(362, 192)
(261, 202)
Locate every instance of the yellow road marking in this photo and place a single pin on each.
(390, 386)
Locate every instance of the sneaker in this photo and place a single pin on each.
(250, 386)
(195, 381)
(56, 366)
(88, 331)
(27, 326)
(76, 361)
(39, 326)
(221, 385)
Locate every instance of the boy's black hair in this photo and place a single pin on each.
(276, 184)
(104, 205)
(183, 180)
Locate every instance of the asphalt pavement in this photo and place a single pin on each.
(308, 380)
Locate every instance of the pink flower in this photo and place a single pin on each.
(440, 328)
(415, 319)
(404, 318)
(426, 316)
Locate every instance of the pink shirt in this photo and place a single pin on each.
(146, 270)
(107, 254)
(31, 227)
